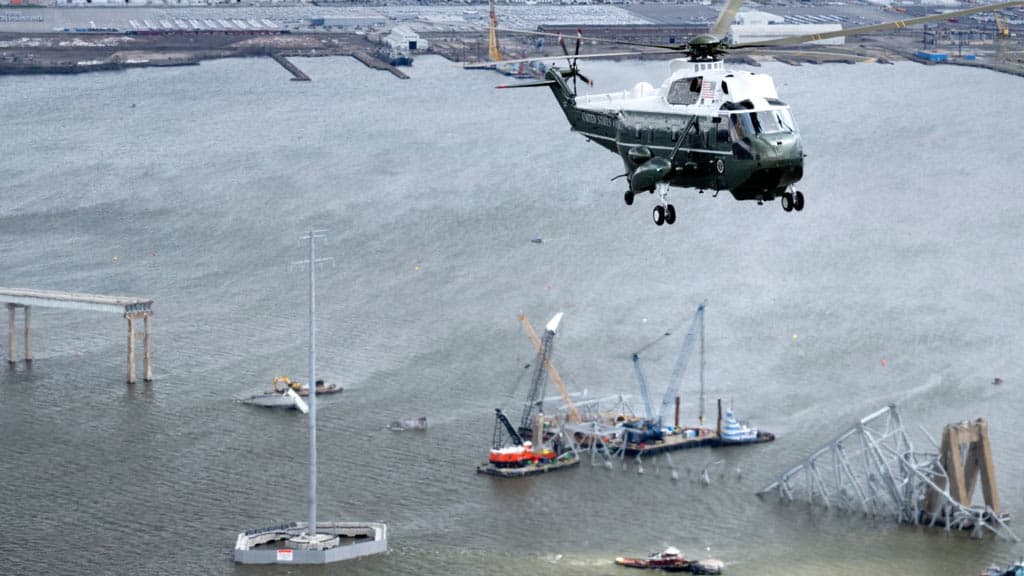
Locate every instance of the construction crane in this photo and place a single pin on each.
(1001, 26)
(654, 422)
(572, 413)
(493, 50)
(501, 422)
(535, 399)
(648, 412)
(681, 362)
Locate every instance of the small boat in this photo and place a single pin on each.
(670, 559)
(1015, 569)
(409, 424)
(286, 391)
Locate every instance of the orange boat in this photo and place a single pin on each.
(672, 560)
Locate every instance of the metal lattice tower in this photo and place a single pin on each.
(873, 468)
(540, 376)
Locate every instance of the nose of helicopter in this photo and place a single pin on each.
(779, 159)
(778, 149)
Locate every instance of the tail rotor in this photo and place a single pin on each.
(574, 69)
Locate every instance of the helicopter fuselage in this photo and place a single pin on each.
(706, 128)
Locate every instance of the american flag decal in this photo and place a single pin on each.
(707, 90)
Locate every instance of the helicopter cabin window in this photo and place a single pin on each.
(684, 91)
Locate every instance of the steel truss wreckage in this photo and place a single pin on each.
(873, 468)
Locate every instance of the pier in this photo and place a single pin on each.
(297, 74)
(131, 308)
(371, 62)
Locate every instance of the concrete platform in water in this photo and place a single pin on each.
(528, 470)
(289, 544)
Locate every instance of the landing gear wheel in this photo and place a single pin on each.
(659, 215)
(798, 201)
(670, 214)
(787, 201)
(629, 197)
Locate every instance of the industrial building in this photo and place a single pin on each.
(754, 26)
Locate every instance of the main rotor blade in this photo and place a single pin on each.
(474, 65)
(725, 18)
(876, 27)
(527, 84)
(677, 48)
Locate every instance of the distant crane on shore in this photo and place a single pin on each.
(493, 49)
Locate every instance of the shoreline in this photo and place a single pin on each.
(82, 53)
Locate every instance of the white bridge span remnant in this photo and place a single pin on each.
(132, 308)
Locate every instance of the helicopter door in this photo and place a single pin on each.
(721, 125)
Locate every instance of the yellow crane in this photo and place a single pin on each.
(1001, 26)
(573, 413)
(493, 50)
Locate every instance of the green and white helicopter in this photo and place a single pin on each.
(706, 127)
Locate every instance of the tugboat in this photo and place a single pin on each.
(732, 432)
(672, 560)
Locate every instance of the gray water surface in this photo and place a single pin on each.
(193, 185)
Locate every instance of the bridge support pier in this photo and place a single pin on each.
(12, 340)
(28, 333)
(10, 333)
(147, 366)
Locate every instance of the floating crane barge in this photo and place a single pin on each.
(649, 437)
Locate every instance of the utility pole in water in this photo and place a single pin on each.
(311, 263)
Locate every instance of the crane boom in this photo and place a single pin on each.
(648, 413)
(503, 421)
(573, 413)
(681, 362)
(535, 400)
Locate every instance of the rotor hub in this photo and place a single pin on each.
(705, 48)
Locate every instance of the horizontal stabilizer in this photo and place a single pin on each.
(528, 84)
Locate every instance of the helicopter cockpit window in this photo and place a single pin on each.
(742, 126)
(768, 122)
(682, 92)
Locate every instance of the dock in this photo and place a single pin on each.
(297, 74)
(371, 62)
(132, 309)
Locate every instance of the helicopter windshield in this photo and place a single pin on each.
(746, 124)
